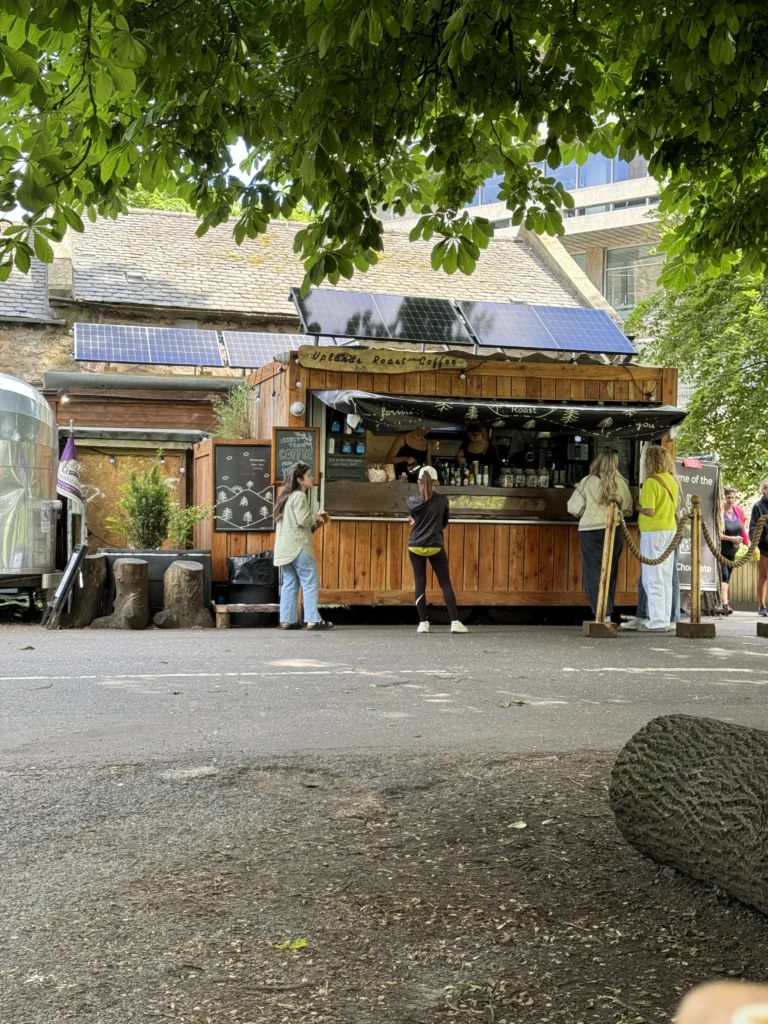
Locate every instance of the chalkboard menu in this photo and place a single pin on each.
(291, 445)
(244, 498)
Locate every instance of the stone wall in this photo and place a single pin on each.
(30, 350)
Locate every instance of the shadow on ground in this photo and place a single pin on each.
(414, 890)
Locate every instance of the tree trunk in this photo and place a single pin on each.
(183, 605)
(692, 793)
(131, 610)
(87, 593)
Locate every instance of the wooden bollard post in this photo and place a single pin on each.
(600, 628)
(695, 629)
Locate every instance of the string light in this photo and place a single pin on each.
(112, 460)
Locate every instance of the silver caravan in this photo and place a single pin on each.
(28, 504)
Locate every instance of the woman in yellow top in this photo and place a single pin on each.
(658, 523)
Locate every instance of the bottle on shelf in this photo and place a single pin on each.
(331, 446)
(471, 479)
(486, 477)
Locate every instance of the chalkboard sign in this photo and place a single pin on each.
(244, 498)
(291, 445)
(704, 481)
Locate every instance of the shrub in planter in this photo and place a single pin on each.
(148, 515)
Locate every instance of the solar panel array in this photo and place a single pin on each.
(329, 315)
(558, 328)
(507, 325)
(171, 346)
(412, 318)
(391, 317)
(250, 349)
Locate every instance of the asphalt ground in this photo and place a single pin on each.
(81, 697)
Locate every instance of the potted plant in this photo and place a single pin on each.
(147, 515)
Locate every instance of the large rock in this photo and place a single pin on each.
(183, 598)
(692, 793)
(131, 608)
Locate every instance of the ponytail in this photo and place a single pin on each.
(426, 486)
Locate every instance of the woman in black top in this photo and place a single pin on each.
(428, 518)
(409, 452)
(477, 447)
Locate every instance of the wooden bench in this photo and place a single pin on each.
(224, 611)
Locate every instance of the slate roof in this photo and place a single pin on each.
(152, 258)
(25, 296)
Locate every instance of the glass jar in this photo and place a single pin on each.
(542, 478)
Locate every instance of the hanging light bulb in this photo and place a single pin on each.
(161, 460)
(112, 460)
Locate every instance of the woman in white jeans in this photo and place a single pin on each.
(657, 520)
(294, 525)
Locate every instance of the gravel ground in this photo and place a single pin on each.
(401, 888)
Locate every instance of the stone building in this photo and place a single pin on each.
(149, 268)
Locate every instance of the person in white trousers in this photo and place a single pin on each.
(657, 521)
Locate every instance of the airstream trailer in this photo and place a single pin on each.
(28, 503)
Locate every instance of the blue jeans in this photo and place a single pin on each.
(301, 572)
(642, 599)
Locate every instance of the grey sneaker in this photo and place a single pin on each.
(633, 624)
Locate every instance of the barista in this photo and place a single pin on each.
(477, 447)
(411, 451)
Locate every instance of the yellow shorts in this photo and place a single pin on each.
(425, 552)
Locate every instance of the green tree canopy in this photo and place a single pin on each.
(362, 105)
(718, 330)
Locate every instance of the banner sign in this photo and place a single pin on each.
(378, 360)
(703, 480)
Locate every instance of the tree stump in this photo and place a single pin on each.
(692, 793)
(131, 610)
(87, 593)
(183, 603)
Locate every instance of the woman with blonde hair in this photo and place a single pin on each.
(428, 518)
(590, 503)
(657, 521)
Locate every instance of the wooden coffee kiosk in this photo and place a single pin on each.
(511, 541)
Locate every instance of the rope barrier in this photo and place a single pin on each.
(746, 557)
(681, 527)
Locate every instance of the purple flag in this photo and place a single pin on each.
(68, 480)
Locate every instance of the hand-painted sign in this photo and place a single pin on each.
(378, 360)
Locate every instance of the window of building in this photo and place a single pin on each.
(566, 174)
(502, 223)
(491, 189)
(598, 170)
(580, 259)
(631, 274)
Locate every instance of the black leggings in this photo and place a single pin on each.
(439, 563)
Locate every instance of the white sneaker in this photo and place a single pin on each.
(458, 627)
(423, 627)
(633, 624)
(669, 628)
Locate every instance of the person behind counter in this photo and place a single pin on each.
(294, 526)
(409, 452)
(590, 503)
(477, 447)
(428, 518)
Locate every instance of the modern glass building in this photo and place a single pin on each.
(611, 232)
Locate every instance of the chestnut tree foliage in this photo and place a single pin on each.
(361, 106)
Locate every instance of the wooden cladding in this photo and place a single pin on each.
(491, 564)
(222, 545)
(525, 382)
(539, 382)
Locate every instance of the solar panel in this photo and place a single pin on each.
(507, 325)
(171, 346)
(340, 314)
(413, 318)
(251, 349)
(584, 330)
